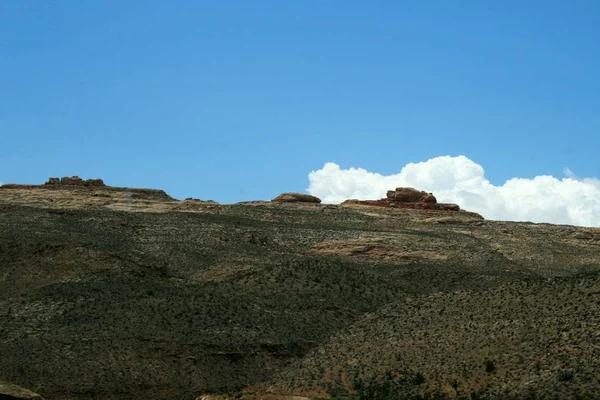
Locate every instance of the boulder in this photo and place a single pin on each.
(53, 181)
(14, 392)
(409, 198)
(296, 198)
(428, 198)
(408, 195)
(93, 182)
(73, 180)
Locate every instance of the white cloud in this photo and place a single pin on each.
(568, 173)
(570, 200)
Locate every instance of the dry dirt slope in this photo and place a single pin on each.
(126, 295)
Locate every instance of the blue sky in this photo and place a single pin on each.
(241, 100)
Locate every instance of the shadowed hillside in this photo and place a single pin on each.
(119, 293)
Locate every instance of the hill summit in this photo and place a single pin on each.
(125, 293)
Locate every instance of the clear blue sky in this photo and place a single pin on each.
(239, 100)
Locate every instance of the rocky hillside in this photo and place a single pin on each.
(120, 293)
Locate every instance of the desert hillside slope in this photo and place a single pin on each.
(119, 293)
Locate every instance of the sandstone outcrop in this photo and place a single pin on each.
(296, 198)
(76, 192)
(74, 181)
(406, 197)
(429, 198)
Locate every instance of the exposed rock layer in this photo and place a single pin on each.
(394, 204)
(410, 195)
(74, 181)
(75, 192)
(296, 198)
(407, 198)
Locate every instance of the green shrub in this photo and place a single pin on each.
(490, 366)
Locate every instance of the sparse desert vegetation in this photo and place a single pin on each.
(105, 294)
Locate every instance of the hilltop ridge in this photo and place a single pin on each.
(127, 293)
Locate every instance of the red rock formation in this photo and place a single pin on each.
(428, 198)
(74, 181)
(406, 195)
(71, 181)
(53, 181)
(93, 182)
(407, 198)
(296, 198)
(414, 205)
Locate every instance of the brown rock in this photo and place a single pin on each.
(408, 195)
(94, 182)
(296, 198)
(71, 181)
(388, 203)
(428, 198)
(74, 181)
(409, 198)
(14, 392)
(53, 181)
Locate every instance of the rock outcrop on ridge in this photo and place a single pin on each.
(405, 197)
(73, 181)
(296, 198)
(75, 192)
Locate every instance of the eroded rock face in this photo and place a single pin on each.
(73, 181)
(14, 392)
(53, 181)
(398, 204)
(406, 195)
(296, 198)
(407, 198)
(428, 198)
(93, 182)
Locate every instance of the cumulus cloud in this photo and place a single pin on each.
(569, 200)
